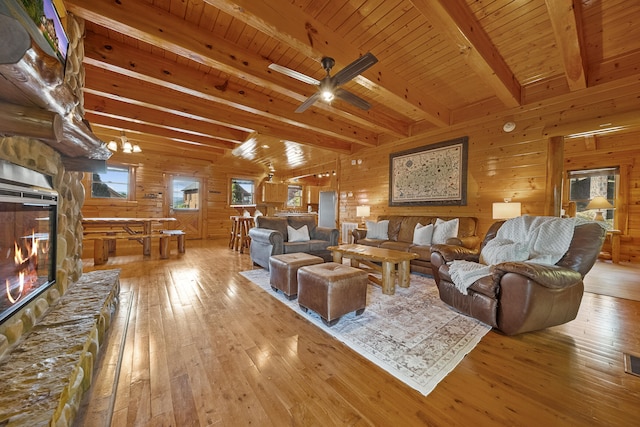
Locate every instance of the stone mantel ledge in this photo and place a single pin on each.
(46, 373)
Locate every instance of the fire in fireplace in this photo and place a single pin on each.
(28, 218)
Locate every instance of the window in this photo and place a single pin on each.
(242, 191)
(112, 184)
(584, 185)
(185, 193)
(294, 196)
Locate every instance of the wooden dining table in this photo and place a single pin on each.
(140, 229)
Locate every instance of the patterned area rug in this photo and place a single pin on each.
(412, 335)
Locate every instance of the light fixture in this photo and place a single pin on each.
(506, 209)
(124, 145)
(509, 126)
(327, 95)
(599, 202)
(363, 211)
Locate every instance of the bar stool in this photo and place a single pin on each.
(234, 231)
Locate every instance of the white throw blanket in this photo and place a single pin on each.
(537, 239)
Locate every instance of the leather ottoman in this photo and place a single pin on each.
(332, 290)
(283, 271)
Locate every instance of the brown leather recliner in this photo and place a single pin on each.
(519, 296)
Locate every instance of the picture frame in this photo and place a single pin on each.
(434, 174)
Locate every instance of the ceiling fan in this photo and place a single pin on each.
(329, 87)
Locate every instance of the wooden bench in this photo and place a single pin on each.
(180, 237)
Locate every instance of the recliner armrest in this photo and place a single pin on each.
(358, 234)
(454, 252)
(266, 235)
(550, 276)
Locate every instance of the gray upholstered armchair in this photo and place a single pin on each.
(270, 237)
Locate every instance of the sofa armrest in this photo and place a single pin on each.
(266, 235)
(328, 234)
(550, 276)
(455, 252)
(358, 234)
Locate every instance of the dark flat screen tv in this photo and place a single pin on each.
(47, 19)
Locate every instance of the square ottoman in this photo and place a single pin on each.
(283, 271)
(332, 290)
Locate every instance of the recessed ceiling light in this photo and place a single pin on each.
(509, 126)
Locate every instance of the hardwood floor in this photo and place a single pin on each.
(204, 346)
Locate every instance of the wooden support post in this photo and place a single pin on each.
(164, 247)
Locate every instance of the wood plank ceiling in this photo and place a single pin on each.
(192, 76)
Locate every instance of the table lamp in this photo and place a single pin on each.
(363, 211)
(506, 209)
(599, 203)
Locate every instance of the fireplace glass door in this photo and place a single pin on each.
(27, 245)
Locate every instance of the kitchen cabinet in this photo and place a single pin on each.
(274, 192)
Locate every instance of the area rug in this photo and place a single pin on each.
(412, 335)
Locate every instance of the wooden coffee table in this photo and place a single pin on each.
(389, 258)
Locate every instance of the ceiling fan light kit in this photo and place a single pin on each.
(329, 86)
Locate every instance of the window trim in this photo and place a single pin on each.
(131, 196)
(253, 194)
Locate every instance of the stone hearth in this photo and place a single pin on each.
(44, 377)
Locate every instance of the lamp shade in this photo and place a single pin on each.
(363, 211)
(504, 210)
(599, 202)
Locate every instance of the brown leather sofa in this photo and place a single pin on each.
(400, 237)
(519, 296)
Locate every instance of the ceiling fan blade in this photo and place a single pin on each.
(306, 104)
(292, 73)
(356, 67)
(352, 99)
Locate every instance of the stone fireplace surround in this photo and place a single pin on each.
(58, 334)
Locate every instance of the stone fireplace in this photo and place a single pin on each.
(35, 156)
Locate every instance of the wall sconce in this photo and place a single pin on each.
(125, 145)
(506, 209)
(363, 211)
(599, 203)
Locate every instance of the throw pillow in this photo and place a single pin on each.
(378, 230)
(444, 230)
(299, 235)
(422, 234)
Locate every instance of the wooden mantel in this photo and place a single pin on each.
(34, 99)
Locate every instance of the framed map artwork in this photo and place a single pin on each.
(434, 174)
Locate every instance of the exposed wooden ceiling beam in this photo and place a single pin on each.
(164, 30)
(159, 144)
(454, 20)
(98, 104)
(117, 58)
(565, 19)
(126, 123)
(149, 95)
(290, 25)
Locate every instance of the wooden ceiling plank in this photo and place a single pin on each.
(99, 104)
(146, 94)
(460, 27)
(565, 20)
(126, 123)
(115, 57)
(157, 27)
(294, 28)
